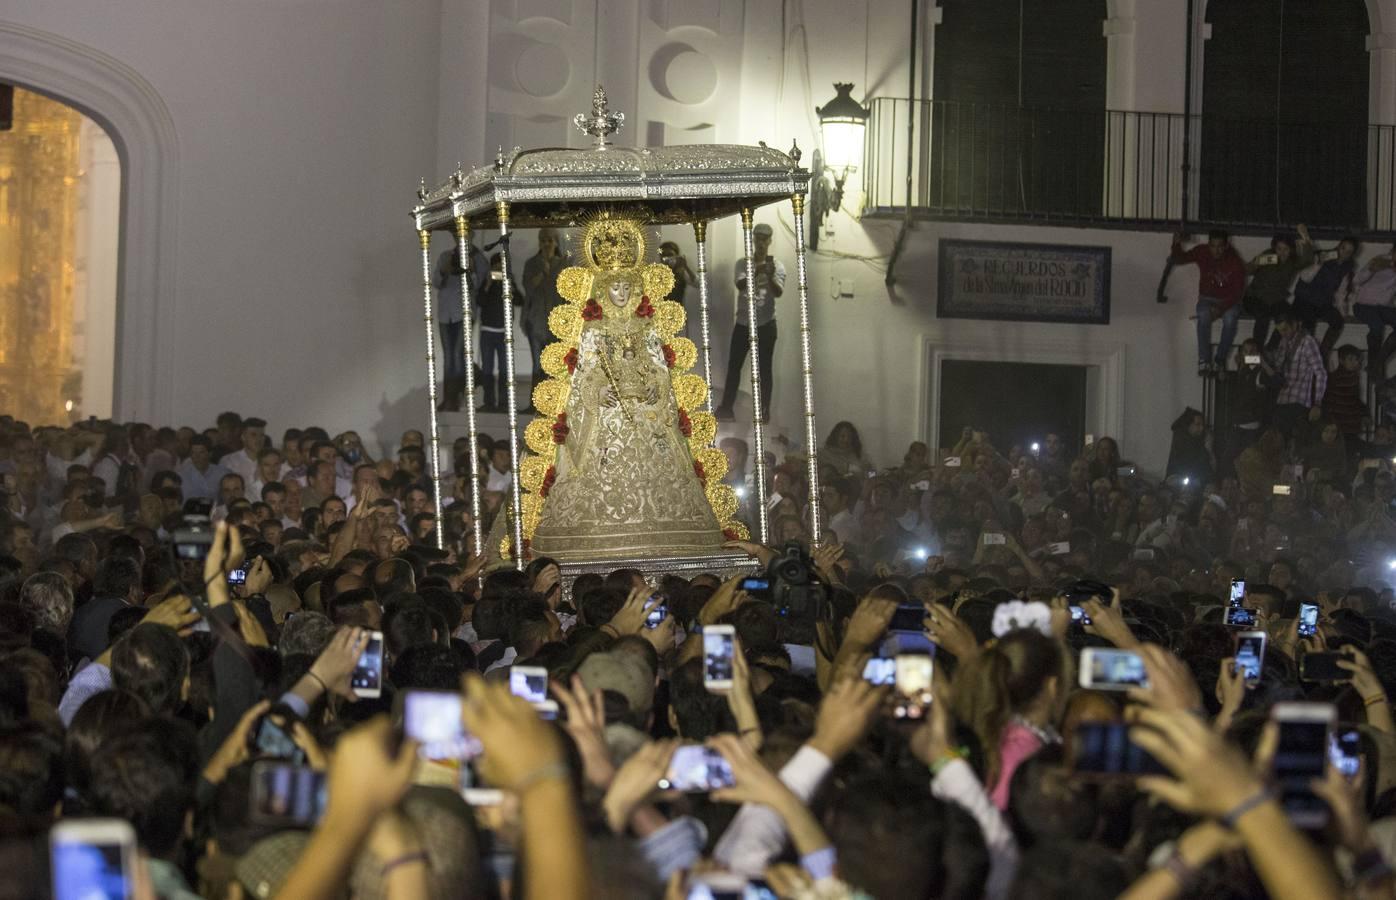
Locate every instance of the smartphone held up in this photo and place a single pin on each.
(92, 858)
(367, 678)
(719, 649)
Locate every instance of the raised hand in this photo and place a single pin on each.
(259, 578)
(725, 599)
(1364, 677)
(177, 611)
(586, 723)
(846, 714)
(1171, 685)
(950, 632)
(1230, 692)
(1211, 776)
(869, 622)
(1109, 621)
(545, 585)
(335, 664)
(761, 554)
(637, 781)
(754, 782)
(826, 557)
(1344, 798)
(224, 555)
(520, 748)
(630, 618)
(366, 778)
(233, 750)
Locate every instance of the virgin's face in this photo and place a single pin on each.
(619, 292)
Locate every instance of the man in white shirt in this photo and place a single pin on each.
(244, 461)
(498, 479)
(770, 284)
(199, 475)
(268, 471)
(839, 497)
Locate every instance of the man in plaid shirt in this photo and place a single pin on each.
(1298, 362)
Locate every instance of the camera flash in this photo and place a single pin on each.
(921, 553)
(1186, 481)
(1036, 446)
(1391, 564)
(741, 492)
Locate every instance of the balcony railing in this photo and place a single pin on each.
(986, 162)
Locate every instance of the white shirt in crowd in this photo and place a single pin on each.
(241, 463)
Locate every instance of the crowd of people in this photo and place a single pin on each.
(144, 683)
(1293, 282)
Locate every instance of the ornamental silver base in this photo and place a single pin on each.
(724, 565)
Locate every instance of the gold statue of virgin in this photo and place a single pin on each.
(622, 463)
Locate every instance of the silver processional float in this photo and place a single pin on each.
(620, 468)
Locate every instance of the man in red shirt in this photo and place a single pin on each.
(1221, 282)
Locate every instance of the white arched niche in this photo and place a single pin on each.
(139, 124)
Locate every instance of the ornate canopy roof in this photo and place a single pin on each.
(663, 185)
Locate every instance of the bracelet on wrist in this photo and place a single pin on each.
(404, 860)
(324, 687)
(541, 774)
(1233, 817)
(1375, 700)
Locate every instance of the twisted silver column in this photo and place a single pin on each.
(466, 325)
(700, 238)
(424, 238)
(797, 202)
(759, 437)
(510, 391)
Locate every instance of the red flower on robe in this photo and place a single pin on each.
(731, 534)
(548, 478)
(700, 471)
(646, 309)
(560, 428)
(668, 356)
(592, 312)
(571, 360)
(685, 424)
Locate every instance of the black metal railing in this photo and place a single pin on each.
(989, 162)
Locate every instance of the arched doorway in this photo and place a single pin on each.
(60, 190)
(139, 124)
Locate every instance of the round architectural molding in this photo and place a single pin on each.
(542, 70)
(683, 74)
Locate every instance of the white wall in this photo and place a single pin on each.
(303, 126)
(302, 130)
